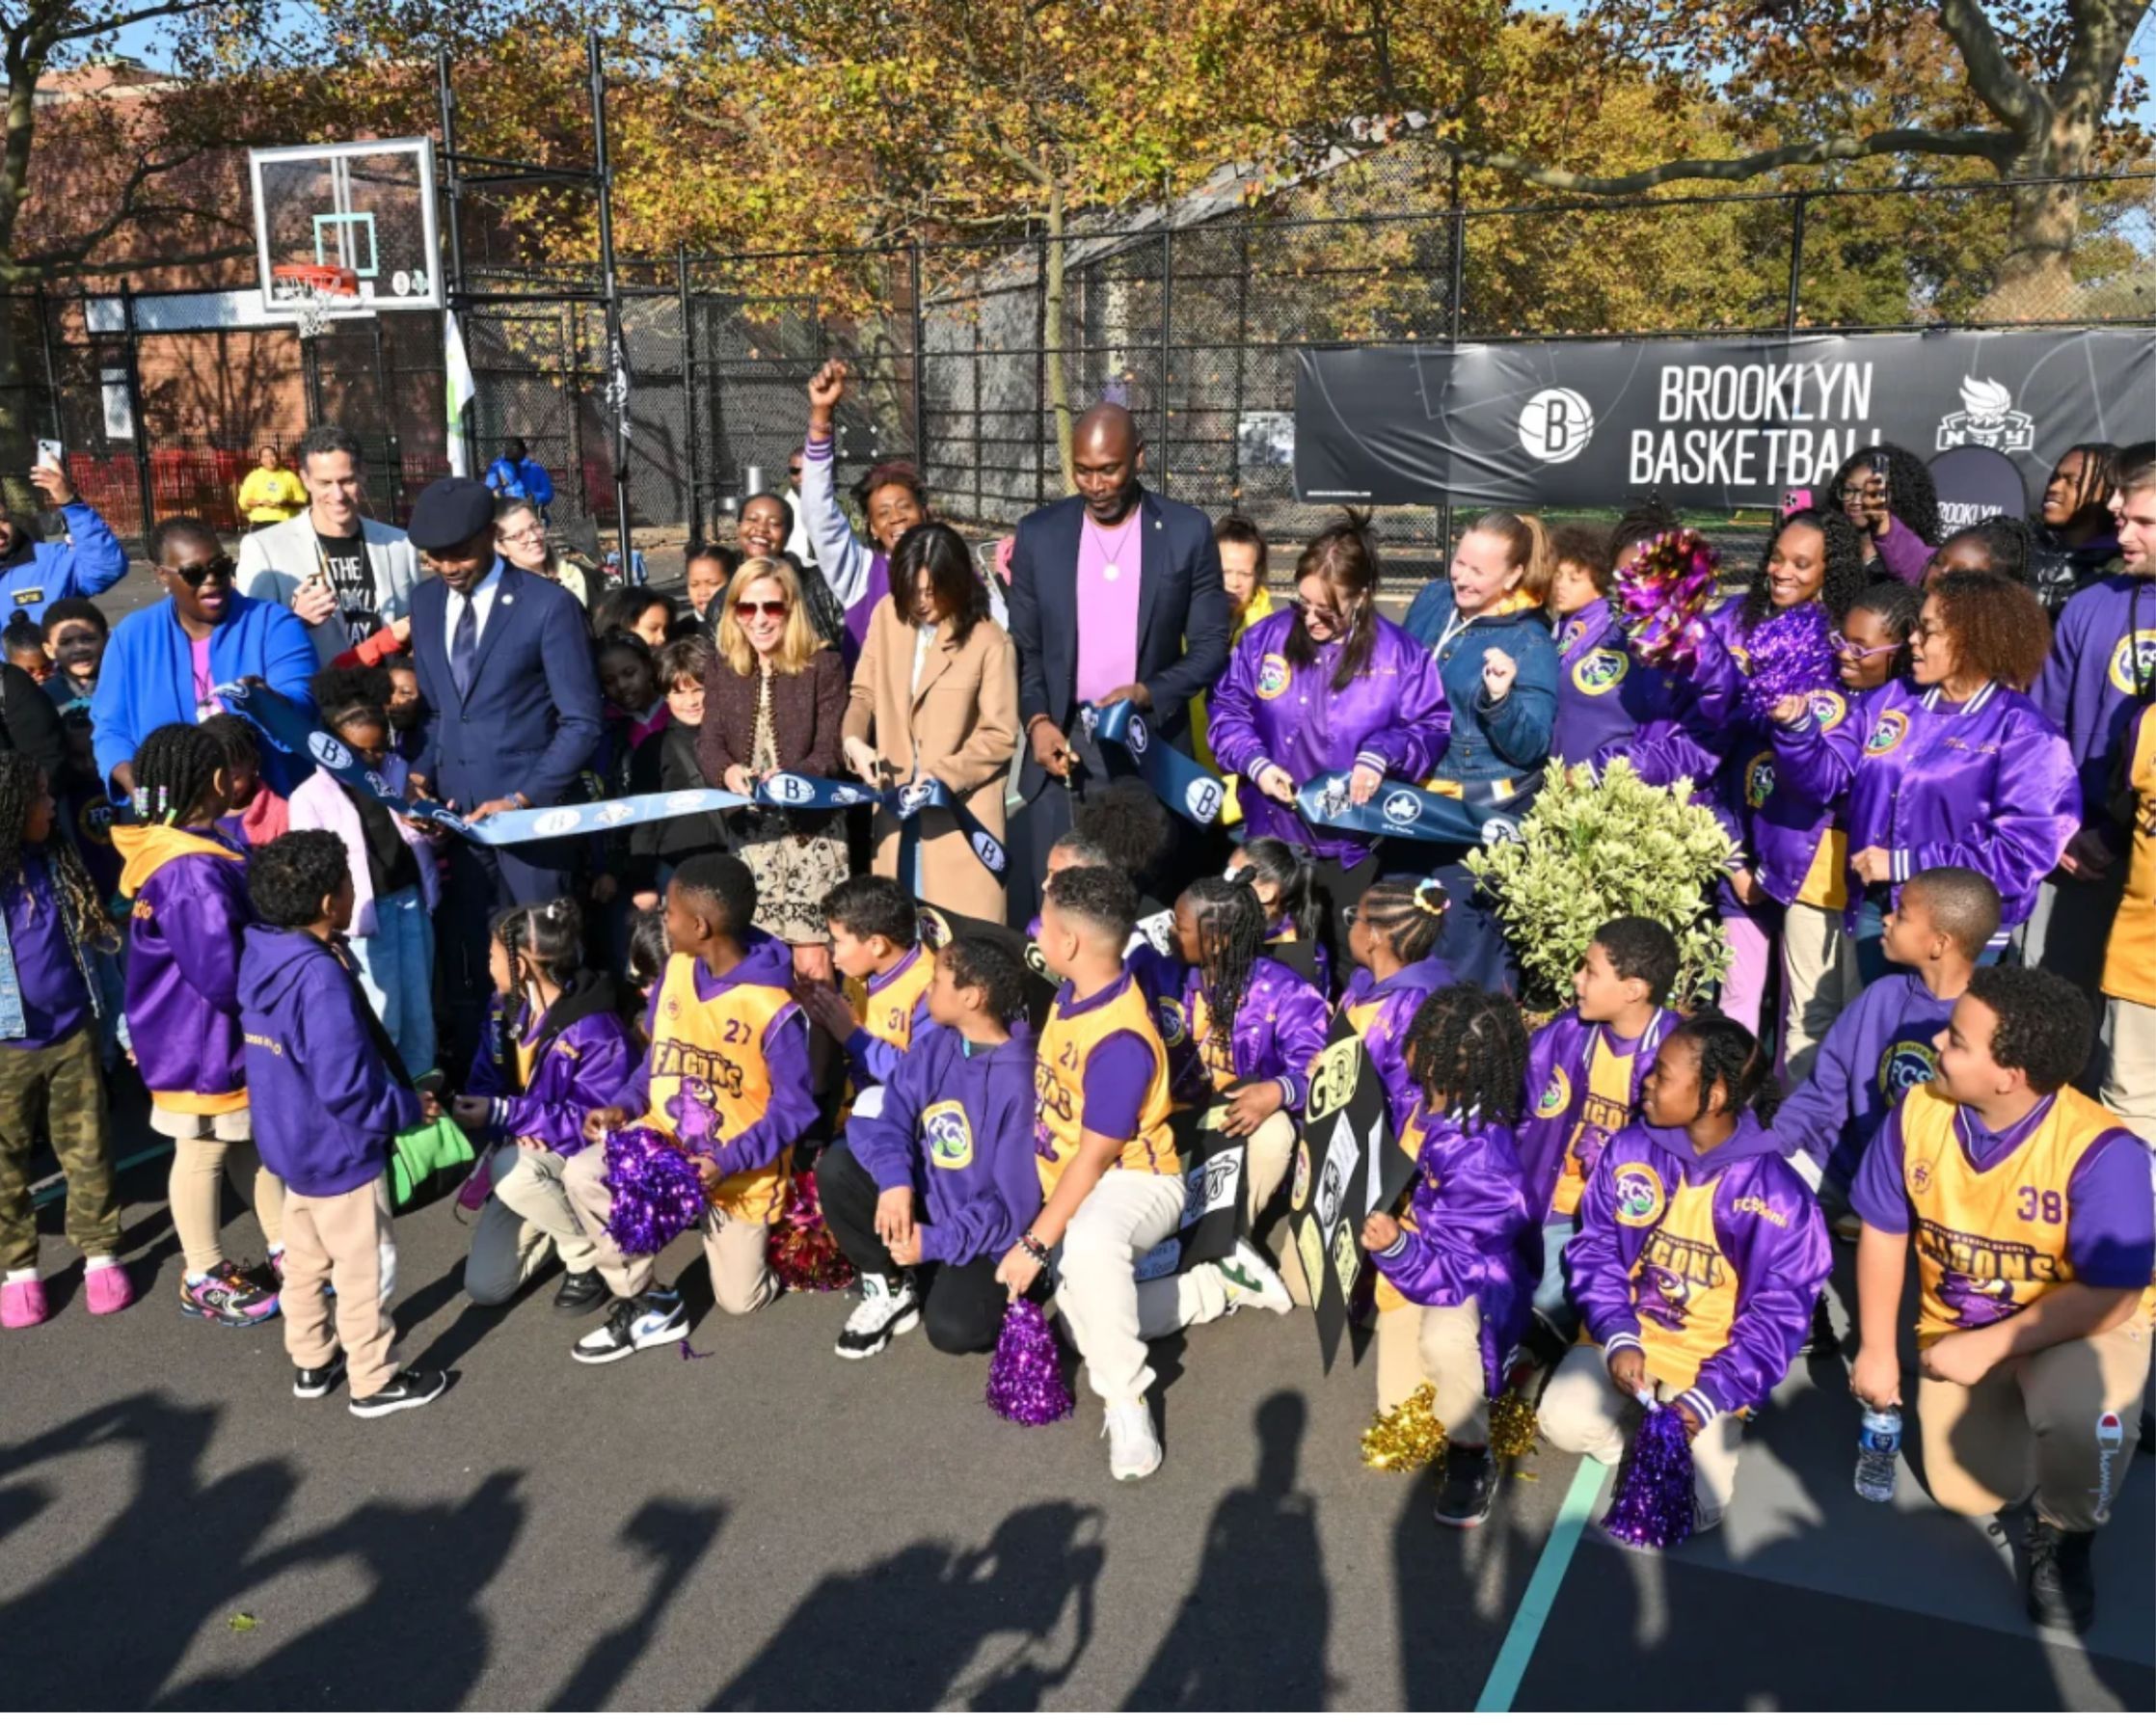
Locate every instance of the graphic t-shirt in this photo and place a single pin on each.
(344, 563)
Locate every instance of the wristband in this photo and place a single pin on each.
(1033, 1248)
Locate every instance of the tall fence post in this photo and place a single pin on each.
(617, 345)
(1167, 345)
(1039, 385)
(135, 415)
(920, 337)
(1796, 262)
(1242, 345)
(1456, 291)
(689, 402)
(453, 300)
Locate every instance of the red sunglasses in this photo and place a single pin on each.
(746, 608)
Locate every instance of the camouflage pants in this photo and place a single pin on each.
(58, 1086)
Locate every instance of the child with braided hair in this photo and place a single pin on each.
(1454, 1275)
(1393, 941)
(190, 909)
(52, 928)
(1698, 1257)
(253, 813)
(1285, 881)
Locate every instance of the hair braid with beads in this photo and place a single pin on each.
(1407, 913)
(176, 771)
(1469, 1047)
(1231, 936)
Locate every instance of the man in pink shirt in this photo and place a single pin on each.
(1115, 594)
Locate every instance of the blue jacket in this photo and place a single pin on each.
(147, 678)
(82, 570)
(531, 718)
(525, 479)
(326, 1100)
(1512, 738)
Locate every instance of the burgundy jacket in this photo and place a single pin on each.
(808, 722)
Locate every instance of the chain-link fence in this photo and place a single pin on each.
(972, 360)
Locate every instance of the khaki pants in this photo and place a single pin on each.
(741, 1283)
(346, 1242)
(1124, 1217)
(198, 1165)
(527, 1220)
(1584, 1413)
(2068, 1417)
(1440, 1346)
(1819, 979)
(2130, 1064)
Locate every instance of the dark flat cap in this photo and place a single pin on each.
(449, 513)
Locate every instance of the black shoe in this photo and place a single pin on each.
(580, 1291)
(312, 1383)
(1467, 1489)
(1822, 1343)
(649, 1320)
(407, 1390)
(2061, 1592)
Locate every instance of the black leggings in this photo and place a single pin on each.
(961, 1305)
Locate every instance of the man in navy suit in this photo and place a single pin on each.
(504, 666)
(1115, 593)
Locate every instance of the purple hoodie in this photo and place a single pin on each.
(1562, 1123)
(1604, 693)
(958, 1128)
(1877, 1050)
(1710, 1265)
(1280, 1026)
(581, 1059)
(1381, 1013)
(326, 1099)
(1469, 1234)
(2102, 652)
(1989, 785)
(1391, 718)
(183, 949)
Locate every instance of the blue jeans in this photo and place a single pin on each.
(1552, 1304)
(396, 974)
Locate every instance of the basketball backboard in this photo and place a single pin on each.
(366, 207)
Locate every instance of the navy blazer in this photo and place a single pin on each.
(532, 716)
(1183, 616)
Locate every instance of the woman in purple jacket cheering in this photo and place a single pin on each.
(1327, 687)
(1952, 765)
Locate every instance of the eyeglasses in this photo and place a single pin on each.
(195, 574)
(531, 532)
(1326, 614)
(747, 609)
(1840, 643)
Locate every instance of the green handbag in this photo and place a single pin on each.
(426, 1161)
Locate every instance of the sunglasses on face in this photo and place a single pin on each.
(1840, 643)
(748, 609)
(195, 574)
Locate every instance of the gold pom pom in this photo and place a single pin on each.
(1511, 1428)
(1407, 1440)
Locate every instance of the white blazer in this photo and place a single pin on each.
(273, 560)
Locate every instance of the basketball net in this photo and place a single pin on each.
(314, 290)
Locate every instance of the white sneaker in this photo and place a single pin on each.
(1133, 1448)
(889, 1306)
(1252, 1282)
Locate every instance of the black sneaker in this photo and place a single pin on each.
(2061, 1591)
(409, 1388)
(312, 1383)
(1467, 1489)
(580, 1291)
(649, 1320)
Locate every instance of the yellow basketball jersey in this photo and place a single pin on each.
(1684, 1289)
(1990, 1242)
(2130, 960)
(1605, 1111)
(887, 1012)
(1065, 1046)
(709, 1080)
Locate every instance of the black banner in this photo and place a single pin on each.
(1709, 424)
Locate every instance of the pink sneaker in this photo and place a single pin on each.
(109, 1289)
(22, 1303)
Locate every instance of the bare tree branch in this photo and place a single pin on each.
(2018, 102)
(1999, 146)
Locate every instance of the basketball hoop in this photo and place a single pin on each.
(312, 290)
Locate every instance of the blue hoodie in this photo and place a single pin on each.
(958, 1127)
(326, 1098)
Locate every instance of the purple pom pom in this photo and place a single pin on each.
(1653, 1504)
(1789, 654)
(657, 1194)
(1025, 1380)
(1663, 591)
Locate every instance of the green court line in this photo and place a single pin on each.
(57, 1186)
(1535, 1605)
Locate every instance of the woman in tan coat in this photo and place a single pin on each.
(935, 695)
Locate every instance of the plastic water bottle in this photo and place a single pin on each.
(1876, 1446)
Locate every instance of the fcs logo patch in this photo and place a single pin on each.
(1640, 1197)
(2133, 662)
(1903, 1068)
(328, 750)
(1828, 708)
(935, 927)
(1599, 672)
(1555, 1098)
(1887, 733)
(1175, 1028)
(1759, 779)
(949, 1134)
(1273, 677)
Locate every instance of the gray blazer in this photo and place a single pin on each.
(273, 560)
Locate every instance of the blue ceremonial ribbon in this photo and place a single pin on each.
(1173, 776)
(1457, 813)
(290, 731)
